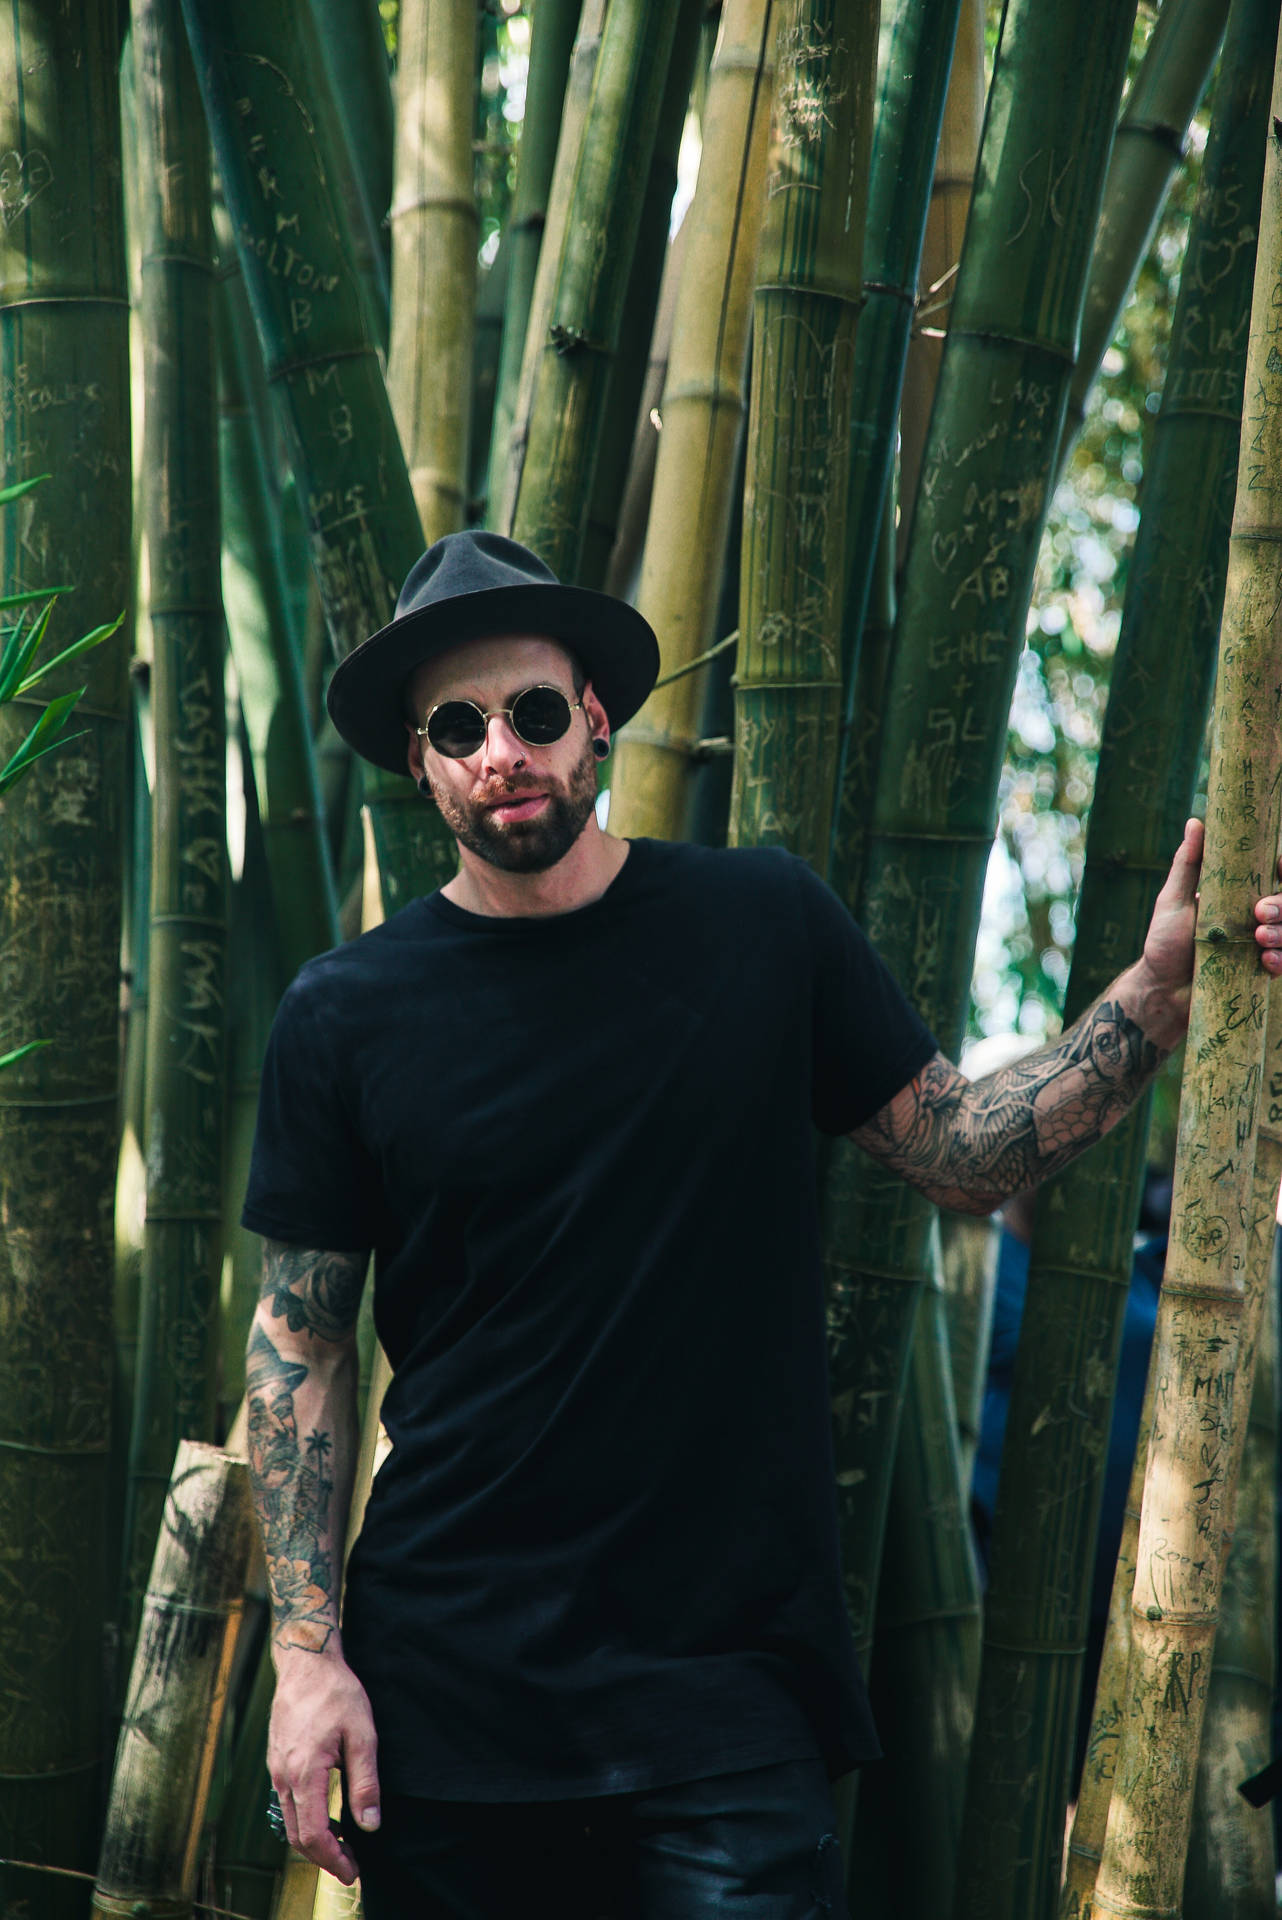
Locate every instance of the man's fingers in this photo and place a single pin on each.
(360, 1758)
(1180, 888)
(310, 1831)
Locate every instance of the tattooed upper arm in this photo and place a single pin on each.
(313, 1290)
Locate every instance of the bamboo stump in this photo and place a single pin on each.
(177, 1690)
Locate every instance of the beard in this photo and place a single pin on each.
(523, 846)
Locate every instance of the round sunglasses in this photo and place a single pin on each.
(538, 716)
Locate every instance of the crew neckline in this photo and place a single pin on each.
(533, 925)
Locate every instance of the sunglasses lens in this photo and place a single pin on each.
(540, 715)
(456, 728)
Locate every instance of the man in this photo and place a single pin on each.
(594, 1613)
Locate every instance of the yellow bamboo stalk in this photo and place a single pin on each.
(941, 250)
(702, 412)
(1200, 1391)
(434, 225)
(177, 1689)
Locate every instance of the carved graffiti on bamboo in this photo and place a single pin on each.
(23, 178)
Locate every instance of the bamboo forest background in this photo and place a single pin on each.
(893, 361)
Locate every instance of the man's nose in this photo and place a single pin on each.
(504, 750)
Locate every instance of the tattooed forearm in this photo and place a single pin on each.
(972, 1145)
(300, 1375)
(313, 1290)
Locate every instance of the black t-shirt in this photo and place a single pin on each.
(602, 1553)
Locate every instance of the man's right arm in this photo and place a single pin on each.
(301, 1392)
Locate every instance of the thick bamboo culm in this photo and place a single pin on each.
(805, 308)
(182, 600)
(434, 223)
(1037, 1613)
(272, 121)
(573, 363)
(64, 318)
(361, 83)
(177, 1690)
(1187, 1488)
(1148, 149)
(702, 411)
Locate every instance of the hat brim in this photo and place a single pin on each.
(615, 645)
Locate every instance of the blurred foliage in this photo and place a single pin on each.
(1057, 714)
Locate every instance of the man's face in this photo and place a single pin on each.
(517, 807)
(273, 1433)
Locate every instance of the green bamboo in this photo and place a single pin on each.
(968, 1269)
(1188, 1487)
(1040, 1574)
(552, 34)
(702, 409)
(265, 646)
(1147, 151)
(247, 1857)
(640, 306)
(434, 224)
(64, 355)
(351, 36)
(491, 296)
(178, 1686)
(926, 1666)
(941, 251)
(271, 116)
(572, 371)
(182, 1237)
(788, 671)
(959, 632)
(1232, 1864)
(916, 55)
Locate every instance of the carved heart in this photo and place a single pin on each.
(22, 177)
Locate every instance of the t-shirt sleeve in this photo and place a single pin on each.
(867, 1040)
(312, 1182)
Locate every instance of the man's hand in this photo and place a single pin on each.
(321, 1719)
(1159, 987)
(1268, 931)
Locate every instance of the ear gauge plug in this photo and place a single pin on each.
(425, 786)
(601, 748)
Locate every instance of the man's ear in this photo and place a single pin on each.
(414, 751)
(597, 718)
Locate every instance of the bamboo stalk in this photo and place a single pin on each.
(356, 63)
(590, 280)
(1037, 1614)
(808, 296)
(552, 37)
(434, 223)
(272, 120)
(703, 409)
(1188, 1486)
(1147, 151)
(941, 251)
(177, 1690)
(64, 346)
(186, 1053)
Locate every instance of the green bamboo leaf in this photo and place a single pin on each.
(19, 654)
(36, 593)
(94, 638)
(42, 739)
(20, 1053)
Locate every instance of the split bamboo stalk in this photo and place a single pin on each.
(576, 356)
(1188, 1488)
(177, 1690)
(180, 592)
(1047, 1518)
(959, 632)
(64, 343)
(941, 250)
(1147, 151)
(434, 223)
(916, 54)
(702, 410)
(640, 307)
(272, 119)
(807, 301)
(552, 36)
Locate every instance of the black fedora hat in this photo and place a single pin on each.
(470, 586)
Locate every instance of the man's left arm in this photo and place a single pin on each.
(969, 1145)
